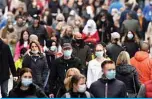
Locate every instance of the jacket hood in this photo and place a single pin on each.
(125, 69)
(141, 55)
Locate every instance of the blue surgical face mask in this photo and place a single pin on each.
(26, 81)
(67, 53)
(111, 74)
(99, 54)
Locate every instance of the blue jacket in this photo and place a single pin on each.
(148, 12)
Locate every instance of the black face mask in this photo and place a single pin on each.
(79, 41)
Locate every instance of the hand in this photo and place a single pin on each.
(15, 78)
(45, 48)
(51, 95)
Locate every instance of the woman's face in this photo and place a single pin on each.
(25, 36)
(34, 47)
(70, 74)
(27, 75)
(80, 86)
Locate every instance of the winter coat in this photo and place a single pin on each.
(92, 38)
(145, 90)
(128, 75)
(78, 95)
(39, 68)
(113, 51)
(115, 88)
(130, 25)
(58, 71)
(6, 62)
(131, 47)
(143, 64)
(83, 52)
(33, 92)
(40, 31)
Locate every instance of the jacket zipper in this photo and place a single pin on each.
(106, 90)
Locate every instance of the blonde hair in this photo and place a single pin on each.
(123, 58)
(67, 79)
(37, 43)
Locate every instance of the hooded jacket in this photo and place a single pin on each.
(128, 75)
(143, 65)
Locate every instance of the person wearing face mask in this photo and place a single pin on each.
(20, 25)
(81, 50)
(26, 88)
(59, 68)
(108, 86)
(77, 88)
(143, 23)
(94, 67)
(131, 44)
(36, 61)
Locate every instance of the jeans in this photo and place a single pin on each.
(4, 89)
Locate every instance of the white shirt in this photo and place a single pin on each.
(94, 71)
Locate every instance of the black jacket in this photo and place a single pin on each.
(126, 73)
(115, 88)
(6, 62)
(77, 95)
(83, 52)
(131, 47)
(113, 51)
(33, 92)
(40, 31)
(58, 71)
(39, 68)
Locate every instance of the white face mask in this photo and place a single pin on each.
(130, 35)
(35, 52)
(10, 26)
(103, 20)
(139, 14)
(82, 88)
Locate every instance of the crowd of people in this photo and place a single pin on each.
(76, 48)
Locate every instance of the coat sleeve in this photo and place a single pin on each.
(137, 82)
(26, 61)
(45, 70)
(17, 51)
(89, 76)
(40, 93)
(142, 92)
(12, 94)
(123, 93)
(11, 62)
(52, 77)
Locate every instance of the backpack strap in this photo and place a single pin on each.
(87, 94)
(67, 95)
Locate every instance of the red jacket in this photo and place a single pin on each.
(148, 86)
(143, 64)
(92, 38)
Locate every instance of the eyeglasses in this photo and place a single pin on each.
(99, 50)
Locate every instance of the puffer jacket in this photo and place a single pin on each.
(128, 75)
(143, 64)
(39, 68)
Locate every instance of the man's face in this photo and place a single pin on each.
(108, 67)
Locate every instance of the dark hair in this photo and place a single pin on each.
(24, 70)
(23, 51)
(21, 37)
(106, 62)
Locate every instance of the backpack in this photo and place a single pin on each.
(67, 95)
